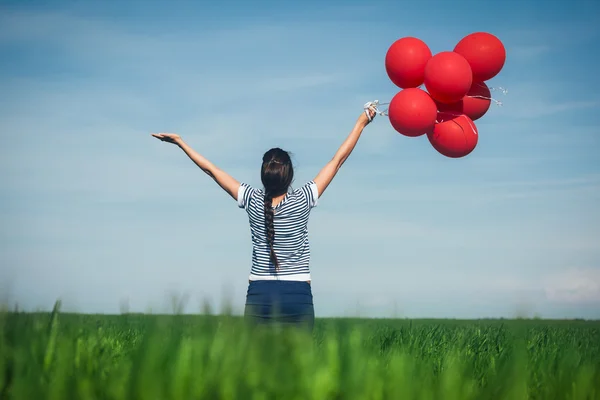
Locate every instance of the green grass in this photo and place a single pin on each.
(129, 357)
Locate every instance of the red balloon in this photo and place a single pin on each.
(412, 112)
(484, 52)
(448, 77)
(405, 62)
(454, 137)
(474, 105)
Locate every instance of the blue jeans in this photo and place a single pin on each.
(283, 302)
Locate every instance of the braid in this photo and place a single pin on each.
(269, 216)
(276, 174)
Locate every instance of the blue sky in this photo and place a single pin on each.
(95, 211)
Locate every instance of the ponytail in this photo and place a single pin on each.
(269, 216)
(276, 174)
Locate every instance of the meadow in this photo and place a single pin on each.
(64, 356)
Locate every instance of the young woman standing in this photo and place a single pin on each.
(279, 286)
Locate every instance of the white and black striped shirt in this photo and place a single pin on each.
(291, 232)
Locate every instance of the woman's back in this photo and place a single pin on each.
(279, 287)
(290, 222)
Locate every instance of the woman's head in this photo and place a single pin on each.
(276, 174)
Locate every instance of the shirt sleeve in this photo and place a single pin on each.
(312, 194)
(245, 192)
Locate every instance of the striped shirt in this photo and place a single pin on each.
(291, 232)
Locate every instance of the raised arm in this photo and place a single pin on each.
(326, 175)
(228, 183)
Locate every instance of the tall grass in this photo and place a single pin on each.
(129, 357)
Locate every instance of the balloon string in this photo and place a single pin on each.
(503, 90)
(374, 105)
(493, 89)
(447, 113)
(498, 103)
(471, 123)
(463, 131)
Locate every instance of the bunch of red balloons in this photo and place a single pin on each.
(456, 91)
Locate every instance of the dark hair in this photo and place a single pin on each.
(276, 174)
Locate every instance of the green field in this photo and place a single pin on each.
(136, 356)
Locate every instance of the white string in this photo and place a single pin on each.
(503, 90)
(498, 103)
(492, 89)
(373, 105)
(470, 122)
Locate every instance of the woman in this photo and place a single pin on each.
(279, 285)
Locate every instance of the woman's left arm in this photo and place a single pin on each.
(223, 179)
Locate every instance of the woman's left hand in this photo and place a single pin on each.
(364, 120)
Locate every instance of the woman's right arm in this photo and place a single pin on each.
(326, 175)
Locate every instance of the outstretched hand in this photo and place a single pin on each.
(363, 119)
(167, 137)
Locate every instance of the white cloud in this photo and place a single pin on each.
(565, 32)
(529, 51)
(536, 100)
(573, 286)
(569, 183)
(539, 108)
